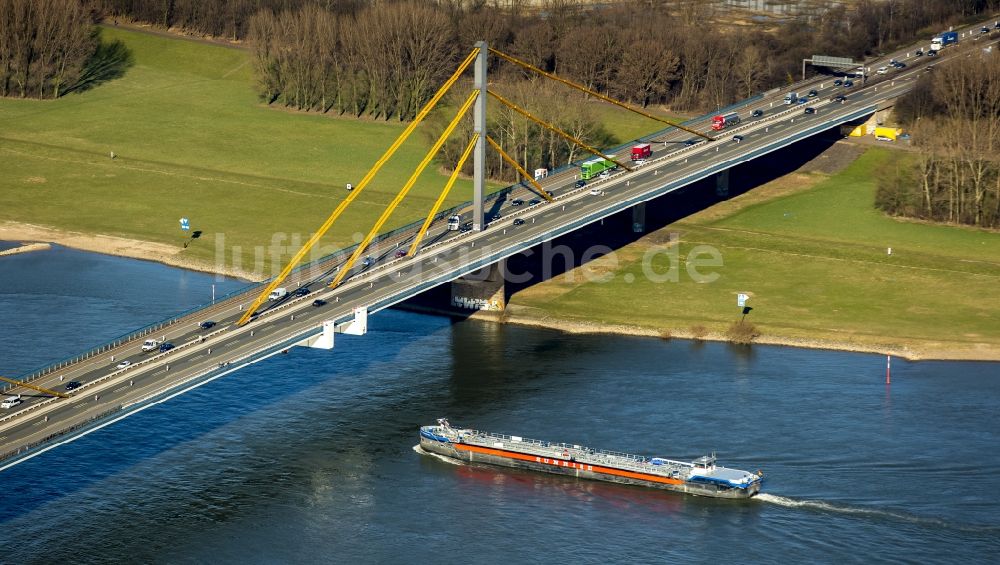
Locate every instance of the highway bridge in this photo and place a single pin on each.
(118, 379)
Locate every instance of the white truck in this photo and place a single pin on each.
(454, 223)
(150, 345)
(278, 293)
(791, 98)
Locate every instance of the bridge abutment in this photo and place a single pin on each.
(481, 290)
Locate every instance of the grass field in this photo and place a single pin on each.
(815, 263)
(193, 141)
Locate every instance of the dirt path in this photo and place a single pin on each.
(172, 33)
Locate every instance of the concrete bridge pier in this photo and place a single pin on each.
(639, 218)
(722, 183)
(481, 290)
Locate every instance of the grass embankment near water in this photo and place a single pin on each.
(812, 252)
(193, 140)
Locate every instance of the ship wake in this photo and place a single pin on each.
(423, 451)
(824, 506)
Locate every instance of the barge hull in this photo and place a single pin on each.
(513, 459)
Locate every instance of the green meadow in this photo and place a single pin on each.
(815, 262)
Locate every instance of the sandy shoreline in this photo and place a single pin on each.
(119, 246)
(172, 255)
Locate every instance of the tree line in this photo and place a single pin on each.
(44, 46)
(953, 114)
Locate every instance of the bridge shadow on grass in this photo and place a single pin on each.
(568, 252)
(110, 61)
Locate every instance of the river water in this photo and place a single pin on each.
(309, 457)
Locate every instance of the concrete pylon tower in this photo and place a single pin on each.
(479, 126)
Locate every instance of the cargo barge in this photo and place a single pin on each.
(699, 477)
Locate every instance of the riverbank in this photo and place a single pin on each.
(119, 246)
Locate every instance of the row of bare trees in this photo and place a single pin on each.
(44, 46)
(954, 117)
(384, 62)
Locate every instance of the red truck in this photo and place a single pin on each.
(641, 151)
(725, 120)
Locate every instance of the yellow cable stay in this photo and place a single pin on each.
(358, 189)
(555, 130)
(519, 168)
(596, 94)
(444, 194)
(33, 387)
(346, 267)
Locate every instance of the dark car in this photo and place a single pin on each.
(319, 302)
(166, 346)
(812, 94)
(207, 325)
(737, 138)
(756, 113)
(580, 183)
(810, 110)
(899, 65)
(368, 261)
(984, 29)
(302, 291)
(72, 385)
(919, 53)
(400, 253)
(518, 221)
(466, 227)
(848, 83)
(691, 141)
(841, 98)
(801, 101)
(534, 201)
(932, 53)
(838, 82)
(516, 202)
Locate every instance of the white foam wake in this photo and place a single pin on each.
(438, 456)
(873, 512)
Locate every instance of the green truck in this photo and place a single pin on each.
(592, 168)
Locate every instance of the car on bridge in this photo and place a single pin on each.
(812, 94)
(319, 302)
(802, 101)
(919, 53)
(301, 291)
(10, 402)
(756, 113)
(516, 202)
(580, 183)
(73, 385)
(123, 364)
(534, 201)
(810, 110)
(839, 98)
(596, 191)
(882, 70)
(518, 221)
(848, 83)
(838, 82)
(690, 142)
(164, 347)
(368, 261)
(207, 324)
(400, 253)
(737, 138)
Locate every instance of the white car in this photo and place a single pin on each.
(10, 402)
(882, 70)
(596, 191)
(123, 364)
(640, 162)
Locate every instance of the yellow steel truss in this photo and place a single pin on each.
(33, 387)
(346, 267)
(357, 189)
(554, 129)
(593, 93)
(519, 168)
(444, 194)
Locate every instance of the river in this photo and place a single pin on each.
(309, 457)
